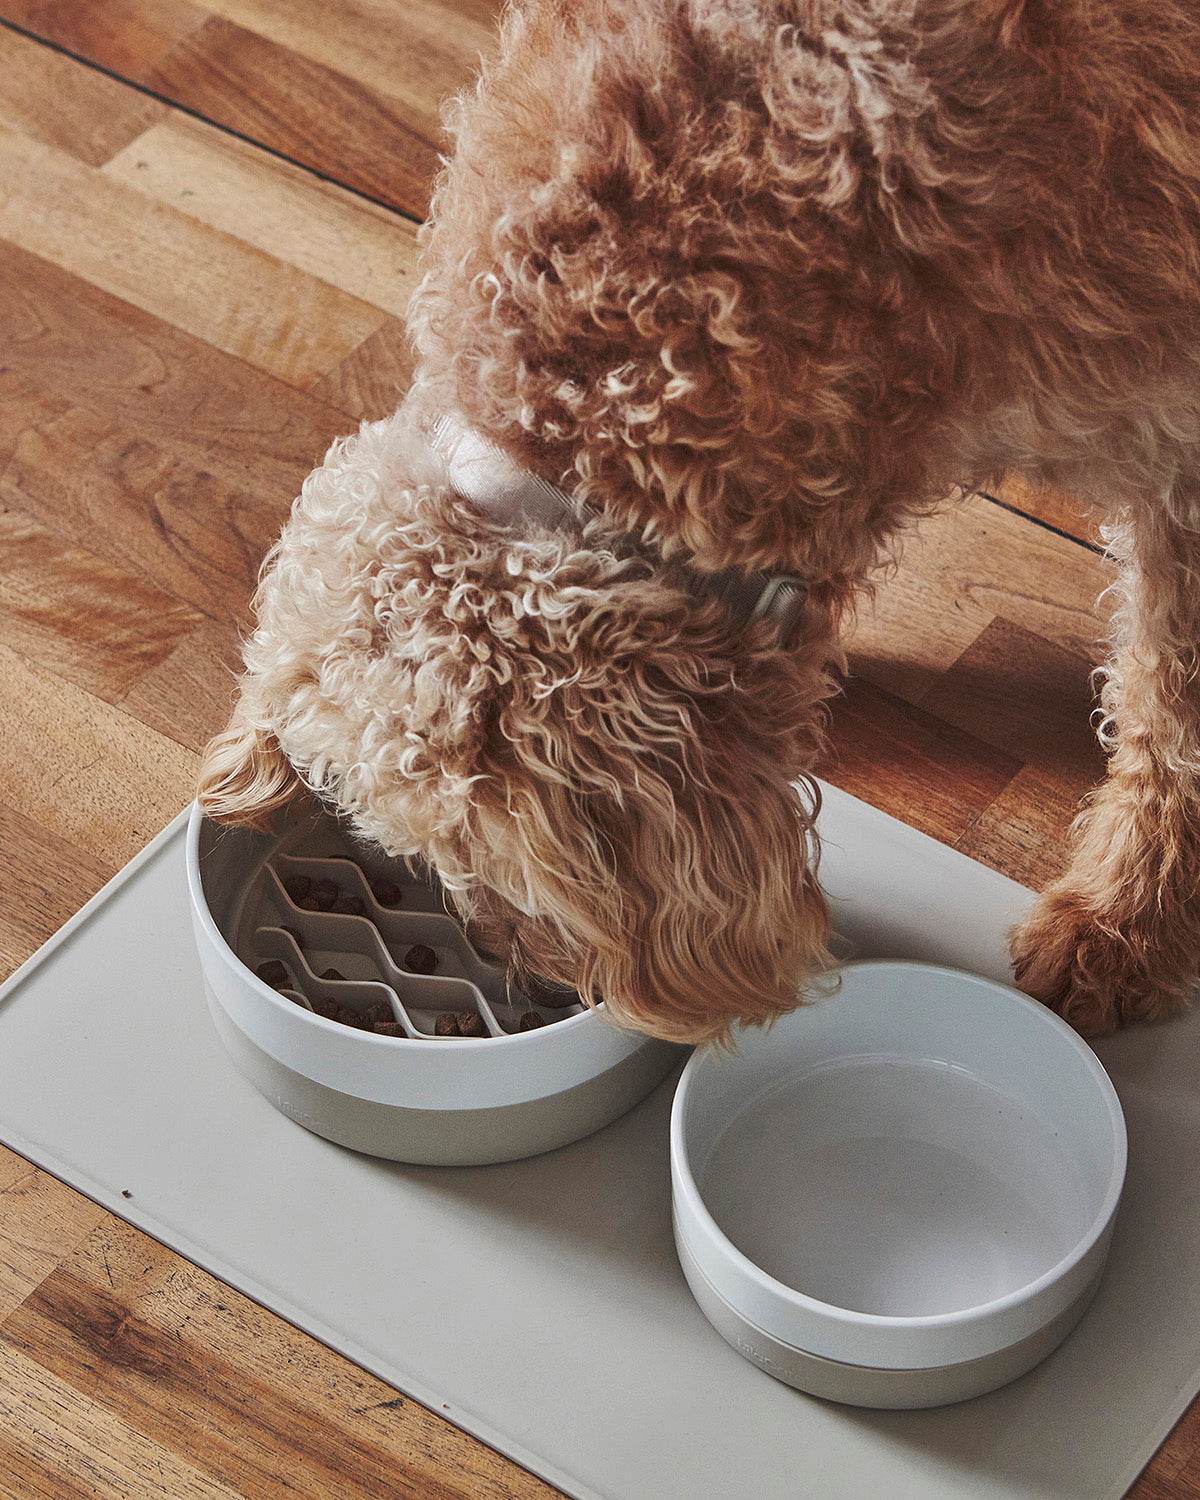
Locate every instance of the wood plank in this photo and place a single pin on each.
(309, 113)
(198, 279)
(65, 609)
(88, 773)
(40, 1220)
(190, 695)
(196, 527)
(125, 36)
(1024, 694)
(51, 98)
(959, 570)
(195, 1366)
(417, 56)
(144, 445)
(371, 381)
(1023, 833)
(1066, 513)
(910, 764)
(57, 1443)
(297, 218)
(44, 879)
(67, 344)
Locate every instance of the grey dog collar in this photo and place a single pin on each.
(485, 475)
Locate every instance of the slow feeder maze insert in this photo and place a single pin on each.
(380, 954)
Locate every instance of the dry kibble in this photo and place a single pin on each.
(353, 1018)
(297, 887)
(446, 1024)
(327, 1008)
(388, 1028)
(324, 893)
(350, 906)
(546, 992)
(378, 1010)
(386, 892)
(421, 959)
(332, 974)
(273, 973)
(309, 903)
(471, 1023)
(530, 1021)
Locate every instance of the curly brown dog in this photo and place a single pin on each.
(717, 292)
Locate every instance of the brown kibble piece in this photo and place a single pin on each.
(446, 1024)
(531, 1021)
(353, 1018)
(546, 992)
(273, 973)
(421, 959)
(471, 1023)
(297, 887)
(379, 1010)
(333, 974)
(350, 906)
(388, 1028)
(386, 892)
(324, 893)
(309, 903)
(327, 1008)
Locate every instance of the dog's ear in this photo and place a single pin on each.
(244, 775)
(685, 911)
(644, 827)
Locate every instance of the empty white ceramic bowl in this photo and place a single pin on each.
(900, 1196)
(414, 1097)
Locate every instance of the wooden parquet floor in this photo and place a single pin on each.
(208, 218)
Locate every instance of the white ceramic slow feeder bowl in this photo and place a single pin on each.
(412, 1096)
(900, 1196)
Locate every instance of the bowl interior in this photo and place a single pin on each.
(381, 949)
(921, 1144)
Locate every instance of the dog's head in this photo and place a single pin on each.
(605, 772)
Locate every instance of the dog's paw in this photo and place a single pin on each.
(1098, 975)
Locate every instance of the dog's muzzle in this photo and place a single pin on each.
(485, 475)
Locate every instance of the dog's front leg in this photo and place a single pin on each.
(1117, 938)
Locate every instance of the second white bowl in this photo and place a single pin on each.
(901, 1196)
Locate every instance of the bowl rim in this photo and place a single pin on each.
(685, 1186)
(197, 818)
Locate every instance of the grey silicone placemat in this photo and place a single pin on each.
(552, 1319)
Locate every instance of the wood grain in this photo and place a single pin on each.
(195, 1367)
(1064, 513)
(318, 228)
(197, 298)
(44, 879)
(418, 57)
(125, 36)
(303, 110)
(181, 271)
(49, 98)
(370, 381)
(93, 776)
(162, 455)
(910, 764)
(39, 1219)
(66, 609)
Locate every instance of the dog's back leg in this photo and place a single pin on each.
(1117, 938)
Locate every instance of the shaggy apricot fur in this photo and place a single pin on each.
(759, 281)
